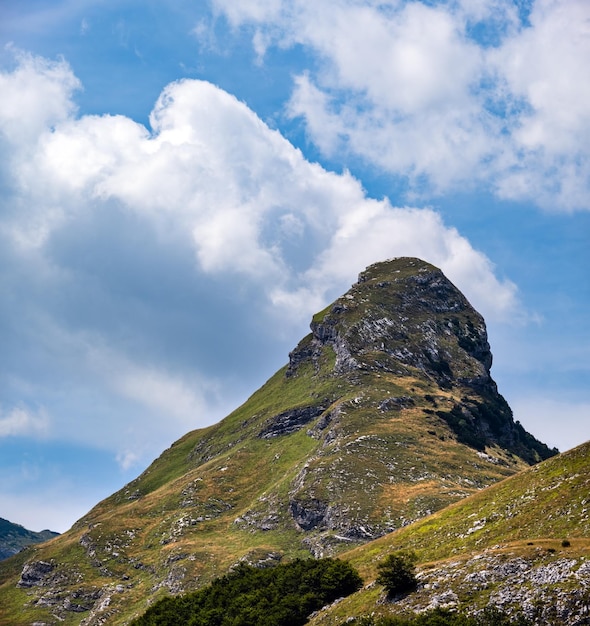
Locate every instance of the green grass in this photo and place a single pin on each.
(528, 516)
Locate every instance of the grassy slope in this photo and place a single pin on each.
(138, 532)
(527, 516)
(176, 522)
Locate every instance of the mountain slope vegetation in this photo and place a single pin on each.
(521, 545)
(385, 413)
(277, 596)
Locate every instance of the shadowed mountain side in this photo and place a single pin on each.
(14, 537)
(385, 413)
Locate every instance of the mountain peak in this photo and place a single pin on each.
(406, 319)
(385, 413)
(402, 316)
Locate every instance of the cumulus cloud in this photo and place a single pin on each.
(35, 96)
(413, 88)
(545, 70)
(140, 258)
(211, 173)
(374, 230)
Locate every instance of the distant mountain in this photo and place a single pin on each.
(522, 545)
(385, 413)
(13, 538)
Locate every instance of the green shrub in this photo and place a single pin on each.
(396, 572)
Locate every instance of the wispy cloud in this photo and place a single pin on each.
(24, 422)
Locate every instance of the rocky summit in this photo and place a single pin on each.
(385, 413)
(405, 318)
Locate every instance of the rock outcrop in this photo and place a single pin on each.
(545, 587)
(290, 421)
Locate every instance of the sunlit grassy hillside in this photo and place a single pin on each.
(527, 535)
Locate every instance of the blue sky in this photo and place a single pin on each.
(183, 186)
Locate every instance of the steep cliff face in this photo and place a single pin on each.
(385, 413)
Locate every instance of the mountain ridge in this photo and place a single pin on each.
(385, 413)
(14, 537)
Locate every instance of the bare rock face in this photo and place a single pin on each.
(34, 573)
(310, 514)
(290, 421)
(402, 315)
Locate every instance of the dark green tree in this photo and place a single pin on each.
(280, 596)
(396, 572)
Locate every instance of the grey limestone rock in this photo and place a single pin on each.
(34, 573)
(290, 421)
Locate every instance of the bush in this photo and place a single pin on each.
(284, 595)
(396, 572)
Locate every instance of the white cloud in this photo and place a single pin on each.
(35, 96)
(406, 60)
(441, 145)
(128, 458)
(211, 170)
(164, 394)
(216, 195)
(369, 234)
(547, 67)
(159, 405)
(23, 422)
(408, 87)
(256, 10)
